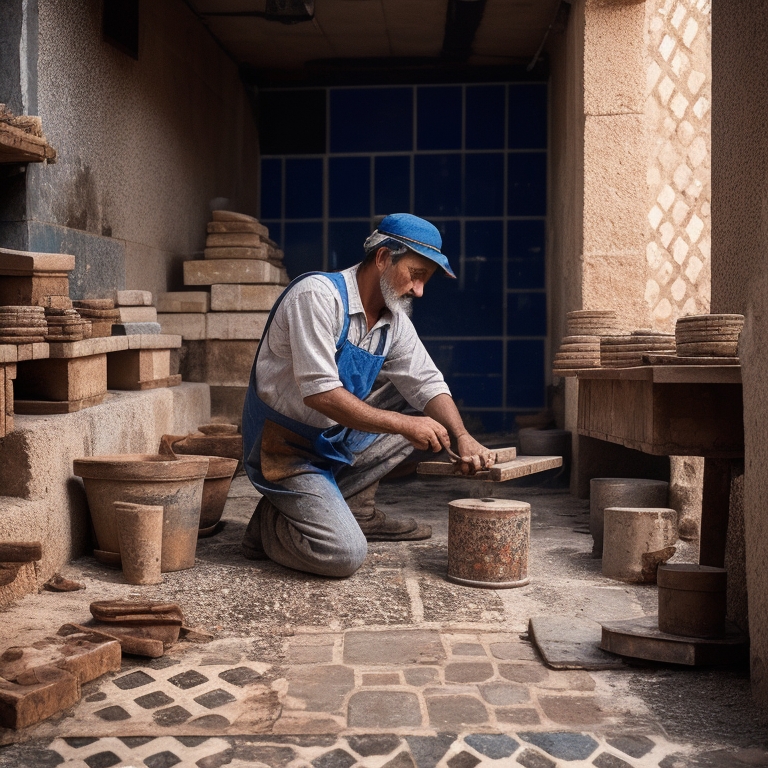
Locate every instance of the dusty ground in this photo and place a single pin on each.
(295, 632)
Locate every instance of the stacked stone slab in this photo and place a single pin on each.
(708, 335)
(136, 313)
(243, 270)
(101, 313)
(580, 347)
(626, 351)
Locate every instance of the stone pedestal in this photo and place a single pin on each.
(25, 278)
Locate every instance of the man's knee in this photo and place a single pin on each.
(348, 555)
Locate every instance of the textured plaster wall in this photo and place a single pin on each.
(740, 269)
(143, 146)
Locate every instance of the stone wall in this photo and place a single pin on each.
(143, 146)
(740, 269)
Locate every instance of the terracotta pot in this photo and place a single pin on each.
(175, 484)
(217, 482)
(140, 534)
(198, 444)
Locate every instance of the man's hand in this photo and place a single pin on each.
(425, 433)
(474, 456)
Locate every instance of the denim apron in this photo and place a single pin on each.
(276, 447)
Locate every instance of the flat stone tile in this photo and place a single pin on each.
(568, 680)
(374, 744)
(321, 689)
(154, 700)
(418, 676)
(532, 759)
(562, 744)
(518, 716)
(215, 698)
(263, 753)
(381, 678)
(504, 694)
(240, 676)
(399, 646)
(634, 746)
(463, 760)
(383, 709)
(606, 760)
(493, 745)
(310, 654)
(468, 672)
(455, 711)
(513, 651)
(571, 710)
(401, 760)
(102, 760)
(338, 758)
(523, 673)
(112, 714)
(468, 649)
(427, 751)
(189, 679)
(171, 716)
(133, 680)
(164, 759)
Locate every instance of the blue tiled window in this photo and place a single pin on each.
(471, 159)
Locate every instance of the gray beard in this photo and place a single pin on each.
(394, 302)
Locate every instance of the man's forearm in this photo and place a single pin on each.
(442, 408)
(344, 408)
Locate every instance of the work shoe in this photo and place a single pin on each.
(377, 526)
(252, 547)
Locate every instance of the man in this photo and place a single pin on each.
(338, 388)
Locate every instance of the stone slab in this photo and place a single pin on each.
(25, 705)
(397, 646)
(32, 351)
(50, 407)
(220, 227)
(137, 314)
(128, 329)
(642, 639)
(153, 341)
(212, 271)
(184, 301)
(235, 325)
(383, 709)
(87, 347)
(321, 688)
(237, 252)
(244, 298)
(234, 240)
(26, 263)
(191, 327)
(567, 642)
(133, 298)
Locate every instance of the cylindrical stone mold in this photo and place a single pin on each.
(140, 535)
(621, 492)
(488, 542)
(692, 600)
(636, 541)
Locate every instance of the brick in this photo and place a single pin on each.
(229, 363)
(383, 709)
(235, 325)
(212, 271)
(184, 301)
(134, 299)
(191, 327)
(133, 314)
(220, 227)
(244, 298)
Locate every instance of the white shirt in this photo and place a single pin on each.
(298, 355)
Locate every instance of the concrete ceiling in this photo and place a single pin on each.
(510, 31)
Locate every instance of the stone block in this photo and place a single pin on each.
(153, 341)
(191, 327)
(184, 301)
(25, 705)
(136, 329)
(227, 404)
(29, 277)
(221, 227)
(229, 363)
(62, 379)
(132, 368)
(244, 298)
(235, 325)
(86, 347)
(237, 252)
(138, 314)
(134, 299)
(234, 240)
(212, 271)
(383, 709)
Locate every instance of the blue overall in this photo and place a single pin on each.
(306, 473)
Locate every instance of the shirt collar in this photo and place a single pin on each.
(355, 302)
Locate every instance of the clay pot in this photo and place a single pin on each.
(175, 484)
(198, 444)
(140, 535)
(215, 490)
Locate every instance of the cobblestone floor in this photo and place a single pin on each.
(394, 667)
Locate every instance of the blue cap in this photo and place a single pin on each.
(418, 235)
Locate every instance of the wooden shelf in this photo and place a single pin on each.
(668, 374)
(17, 146)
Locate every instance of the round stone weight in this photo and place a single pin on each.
(634, 541)
(621, 492)
(488, 542)
(692, 599)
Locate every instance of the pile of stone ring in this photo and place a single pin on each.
(101, 312)
(708, 335)
(627, 350)
(66, 325)
(580, 348)
(22, 325)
